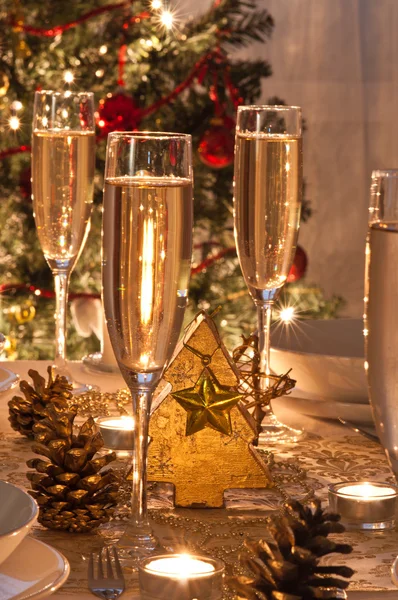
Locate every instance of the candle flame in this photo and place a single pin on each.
(125, 423)
(182, 566)
(367, 490)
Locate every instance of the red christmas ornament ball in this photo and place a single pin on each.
(117, 112)
(216, 147)
(299, 266)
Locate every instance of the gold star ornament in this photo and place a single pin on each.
(207, 404)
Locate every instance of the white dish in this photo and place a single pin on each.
(326, 357)
(8, 379)
(357, 413)
(34, 570)
(299, 393)
(18, 513)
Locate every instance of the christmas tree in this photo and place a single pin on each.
(149, 70)
(201, 421)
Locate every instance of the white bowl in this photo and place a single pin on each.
(18, 512)
(326, 358)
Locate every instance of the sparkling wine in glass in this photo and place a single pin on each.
(147, 245)
(267, 203)
(381, 315)
(63, 160)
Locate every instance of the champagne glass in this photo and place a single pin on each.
(147, 245)
(381, 316)
(267, 203)
(63, 160)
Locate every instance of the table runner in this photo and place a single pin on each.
(328, 452)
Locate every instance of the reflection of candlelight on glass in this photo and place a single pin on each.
(147, 271)
(364, 504)
(182, 577)
(117, 432)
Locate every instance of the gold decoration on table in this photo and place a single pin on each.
(207, 403)
(247, 360)
(206, 462)
(73, 492)
(25, 411)
(288, 567)
(95, 403)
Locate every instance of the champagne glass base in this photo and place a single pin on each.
(77, 386)
(81, 388)
(137, 543)
(95, 362)
(274, 432)
(8, 380)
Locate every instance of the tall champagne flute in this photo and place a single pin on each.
(63, 160)
(147, 245)
(267, 203)
(381, 316)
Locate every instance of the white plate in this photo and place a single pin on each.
(299, 393)
(326, 357)
(8, 379)
(34, 570)
(357, 413)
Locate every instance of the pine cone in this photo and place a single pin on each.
(288, 567)
(25, 412)
(72, 492)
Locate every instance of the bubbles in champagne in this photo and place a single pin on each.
(62, 186)
(267, 202)
(147, 243)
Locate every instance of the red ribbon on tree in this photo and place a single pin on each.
(11, 151)
(58, 29)
(43, 292)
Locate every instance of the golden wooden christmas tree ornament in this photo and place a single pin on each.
(201, 436)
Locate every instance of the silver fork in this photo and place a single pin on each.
(109, 585)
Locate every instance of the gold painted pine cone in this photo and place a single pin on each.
(288, 567)
(26, 410)
(73, 490)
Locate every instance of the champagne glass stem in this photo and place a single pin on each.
(141, 408)
(61, 281)
(137, 539)
(264, 313)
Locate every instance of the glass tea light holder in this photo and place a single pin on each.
(117, 432)
(181, 577)
(364, 504)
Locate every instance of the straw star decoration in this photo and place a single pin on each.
(207, 404)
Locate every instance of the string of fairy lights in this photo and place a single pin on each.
(165, 18)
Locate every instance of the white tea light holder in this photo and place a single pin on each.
(364, 504)
(117, 432)
(181, 577)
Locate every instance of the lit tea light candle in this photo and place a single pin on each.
(182, 577)
(367, 490)
(117, 432)
(364, 504)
